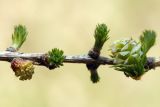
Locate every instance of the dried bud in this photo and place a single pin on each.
(23, 69)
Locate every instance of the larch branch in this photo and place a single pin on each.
(37, 59)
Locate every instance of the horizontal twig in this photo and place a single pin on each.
(37, 59)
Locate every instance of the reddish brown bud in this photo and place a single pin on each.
(23, 69)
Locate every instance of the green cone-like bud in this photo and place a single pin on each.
(23, 69)
(130, 56)
(19, 36)
(127, 56)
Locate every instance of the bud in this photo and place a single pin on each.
(23, 69)
(129, 58)
(122, 49)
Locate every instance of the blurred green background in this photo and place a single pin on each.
(69, 25)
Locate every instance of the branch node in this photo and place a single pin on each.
(101, 36)
(11, 49)
(150, 64)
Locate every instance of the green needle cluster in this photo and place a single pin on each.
(101, 36)
(55, 57)
(19, 36)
